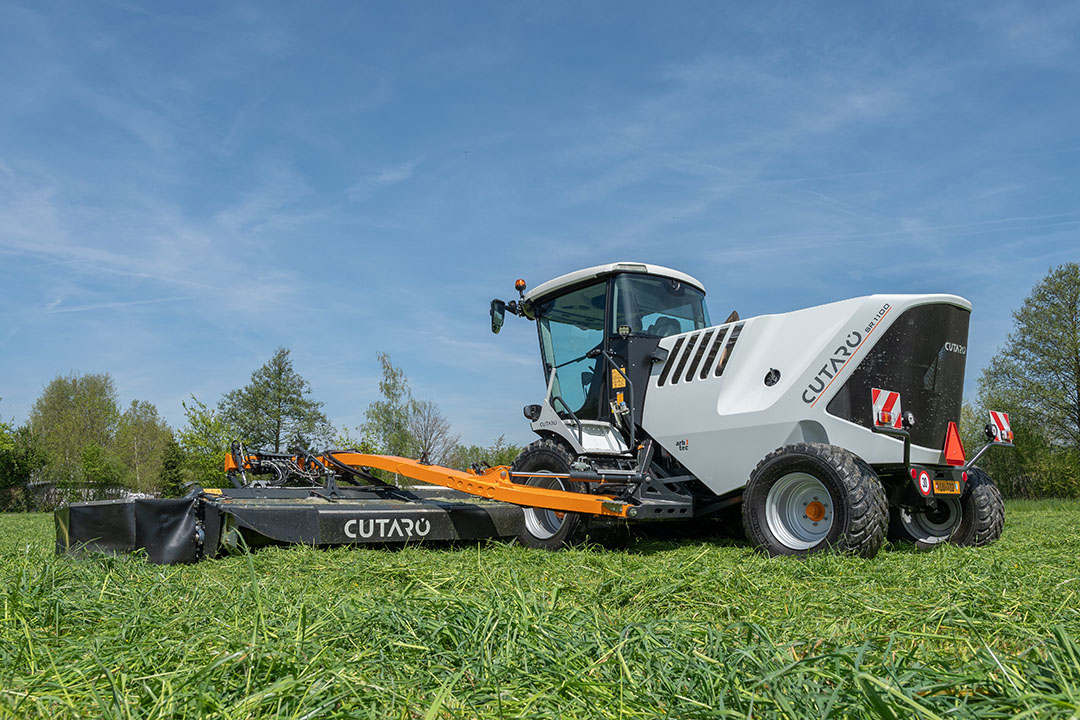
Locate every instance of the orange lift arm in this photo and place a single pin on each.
(494, 484)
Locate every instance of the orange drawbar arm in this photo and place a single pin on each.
(494, 484)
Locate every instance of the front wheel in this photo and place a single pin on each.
(809, 497)
(547, 529)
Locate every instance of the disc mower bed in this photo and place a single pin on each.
(217, 521)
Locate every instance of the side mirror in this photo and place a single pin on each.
(498, 314)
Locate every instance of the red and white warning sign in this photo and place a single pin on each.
(999, 425)
(924, 482)
(886, 408)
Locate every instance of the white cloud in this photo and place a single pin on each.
(366, 187)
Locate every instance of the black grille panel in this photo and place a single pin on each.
(670, 362)
(735, 332)
(685, 356)
(697, 355)
(693, 357)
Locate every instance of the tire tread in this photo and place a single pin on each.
(868, 511)
(983, 501)
(553, 452)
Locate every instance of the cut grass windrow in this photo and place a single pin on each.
(697, 628)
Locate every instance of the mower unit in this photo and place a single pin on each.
(210, 522)
(833, 427)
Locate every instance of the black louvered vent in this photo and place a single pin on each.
(688, 355)
(698, 355)
(685, 356)
(713, 352)
(670, 362)
(735, 331)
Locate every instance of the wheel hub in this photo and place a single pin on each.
(799, 511)
(815, 511)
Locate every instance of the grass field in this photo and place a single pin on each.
(698, 628)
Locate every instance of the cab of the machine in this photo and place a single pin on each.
(598, 329)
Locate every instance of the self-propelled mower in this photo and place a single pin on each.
(832, 426)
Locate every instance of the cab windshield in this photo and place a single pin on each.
(657, 306)
(572, 325)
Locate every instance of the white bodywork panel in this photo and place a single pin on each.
(596, 437)
(579, 276)
(721, 427)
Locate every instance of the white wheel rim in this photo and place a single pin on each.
(799, 511)
(935, 526)
(541, 523)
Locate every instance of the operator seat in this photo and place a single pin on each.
(665, 326)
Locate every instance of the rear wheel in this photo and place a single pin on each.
(926, 528)
(548, 529)
(809, 497)
(983, 511)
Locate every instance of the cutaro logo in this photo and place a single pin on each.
(386, 528)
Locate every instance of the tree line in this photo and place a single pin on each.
(77, 437)
(1035, 377)
(77, 434)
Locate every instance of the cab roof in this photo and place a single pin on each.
(601, 271)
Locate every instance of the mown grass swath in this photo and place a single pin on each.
(696, 628)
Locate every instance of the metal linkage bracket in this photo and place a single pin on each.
(993, 443)
(494, 484)
(900, 434)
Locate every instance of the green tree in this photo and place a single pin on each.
(1035, 377)
(172, 478)
(498, 453)
(73, 413)
(346, 440)
(387, 423)
(205, 440)
(7, 436)
(141, 438)
(275, 409)
(100, 467)
(20, 459)
(430, 431)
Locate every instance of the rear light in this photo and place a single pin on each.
(1000, 428)
(886, 408)
(964, 475)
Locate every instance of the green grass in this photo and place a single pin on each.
(682, 629)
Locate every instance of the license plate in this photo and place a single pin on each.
(946, 487)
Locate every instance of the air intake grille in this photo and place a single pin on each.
(691, 350)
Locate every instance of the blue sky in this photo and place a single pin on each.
(186, 186)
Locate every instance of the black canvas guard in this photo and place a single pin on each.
(165, 529)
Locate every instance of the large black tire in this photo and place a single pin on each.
(926, 528)
(548, 529)
(983, 511)
(785, 512)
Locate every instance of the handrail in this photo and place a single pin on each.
(580, 431)
(630, 387)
